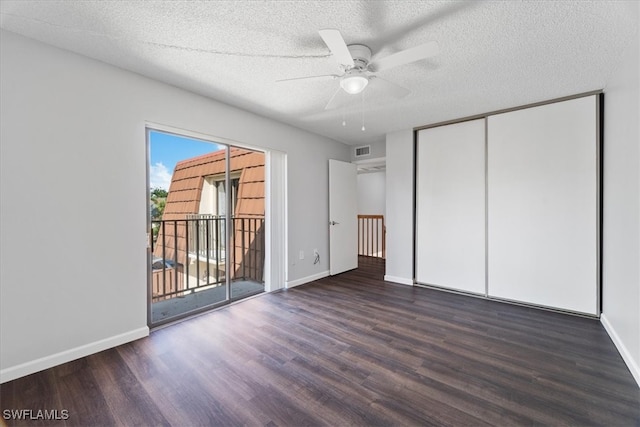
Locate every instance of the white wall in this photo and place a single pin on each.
(73, 197)
(371, 193)
(621, 228)
(399, 209)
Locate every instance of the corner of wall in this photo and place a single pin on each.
(622, 348)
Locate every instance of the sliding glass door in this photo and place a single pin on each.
(207, 225)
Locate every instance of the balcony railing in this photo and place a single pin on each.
(210, 231)
(371, 236)
(190, 254)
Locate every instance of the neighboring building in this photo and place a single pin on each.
(194, 222)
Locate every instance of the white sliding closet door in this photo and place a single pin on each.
(543, 205)
(450, 202)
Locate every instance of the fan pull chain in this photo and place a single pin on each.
(363, 128)
(344, 121)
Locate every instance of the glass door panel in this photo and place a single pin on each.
(189, 226)
(247, 234)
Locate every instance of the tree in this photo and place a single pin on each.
(159, 193)
(157, 208)
(158, 199)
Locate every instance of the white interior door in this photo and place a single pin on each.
(343, 217)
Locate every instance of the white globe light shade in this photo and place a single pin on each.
(354, 84)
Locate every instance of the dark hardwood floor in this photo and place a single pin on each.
(348, 350)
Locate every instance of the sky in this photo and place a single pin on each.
(166, 150)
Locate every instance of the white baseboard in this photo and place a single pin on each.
(401, 280)
(624, 352)
(302, 281)
(47, 362)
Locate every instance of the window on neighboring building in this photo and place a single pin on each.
(213, 200)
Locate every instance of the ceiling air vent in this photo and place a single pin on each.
(363, 151)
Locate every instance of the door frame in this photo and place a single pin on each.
(275, 212)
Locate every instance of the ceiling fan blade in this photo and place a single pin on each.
(334, 98)
(407, 56)
(386, 88)
(333, 76)
(334, 41)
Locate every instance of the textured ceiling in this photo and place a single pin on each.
(493, 55)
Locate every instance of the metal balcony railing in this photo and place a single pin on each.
(190, 254)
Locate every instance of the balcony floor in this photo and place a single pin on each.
(167, 309)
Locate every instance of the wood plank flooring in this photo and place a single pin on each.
(348, 350)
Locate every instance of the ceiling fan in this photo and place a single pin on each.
(357, 71)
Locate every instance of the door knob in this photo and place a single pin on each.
(333, 223)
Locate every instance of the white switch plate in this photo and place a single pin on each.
(301, 254)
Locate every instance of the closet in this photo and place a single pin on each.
(508, 205)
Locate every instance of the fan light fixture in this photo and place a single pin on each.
(354, 84)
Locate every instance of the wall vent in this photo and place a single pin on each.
(363, 151)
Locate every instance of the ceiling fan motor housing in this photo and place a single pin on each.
(361, 55)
